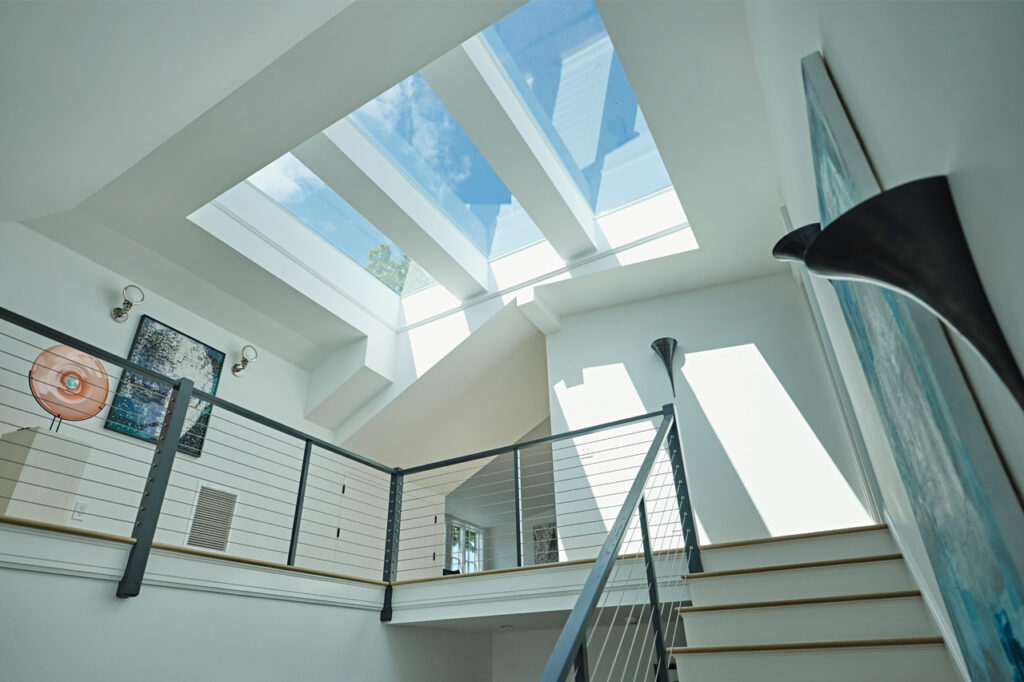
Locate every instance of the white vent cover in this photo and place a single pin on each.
(211, 518)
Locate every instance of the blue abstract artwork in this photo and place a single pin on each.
(920, 392)
(140, 404)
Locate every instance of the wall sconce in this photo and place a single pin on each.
(132, 296)
(665, 347)
(249, 354)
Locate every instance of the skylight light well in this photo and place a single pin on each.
(561, 61)
(411, 125)
(299, 191)
(403, 154)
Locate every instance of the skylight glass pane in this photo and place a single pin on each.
(411, 125)
(300, 192)
(559, 57)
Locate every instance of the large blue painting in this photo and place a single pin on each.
(921, 394)
(140, 404)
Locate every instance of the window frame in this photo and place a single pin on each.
(453, 523)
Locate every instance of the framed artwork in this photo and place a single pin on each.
(139, 404)
(937, 434)
(545, 543)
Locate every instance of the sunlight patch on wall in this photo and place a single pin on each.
(525, 264)
(426, 303)
(606, 393)
(527, 293)
(648, 216)
(593, 476)
(431, 342)
(792, 481)
(676, 242)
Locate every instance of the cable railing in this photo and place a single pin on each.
(535, 503)
(220, 479)
(623, 621)
(203, 475)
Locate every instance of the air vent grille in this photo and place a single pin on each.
(211, 519)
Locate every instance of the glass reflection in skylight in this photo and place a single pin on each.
(559, 57)
(300, 192)
(411, 125)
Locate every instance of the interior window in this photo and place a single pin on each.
(465, 547)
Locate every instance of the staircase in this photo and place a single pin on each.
(837, 606)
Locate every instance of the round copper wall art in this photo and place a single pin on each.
(68, 383)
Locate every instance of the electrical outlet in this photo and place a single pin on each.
(78, 513)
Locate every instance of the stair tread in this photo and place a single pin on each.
(869, 596)
(794, 646)
(797, 566)
(796, 536)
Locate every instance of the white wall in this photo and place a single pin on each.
(930, 88)
(78, 295)
(59, 627)
(75, 295)
(765, 447)
(519, 656)
(344, 520)
(422, 532)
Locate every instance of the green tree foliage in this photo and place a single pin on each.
(387, 269)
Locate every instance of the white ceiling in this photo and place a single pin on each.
(89, 89)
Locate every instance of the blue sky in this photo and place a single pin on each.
(299, 191)
(415, 129)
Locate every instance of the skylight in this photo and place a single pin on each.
(561, 61)
(415, 174)
(300, 192)
(411, 125)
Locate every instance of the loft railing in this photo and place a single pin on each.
(504, 488)
(85, 473)
(623, 596)
(298, 501)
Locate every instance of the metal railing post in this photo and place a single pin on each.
(156, 486)
(574, 631)
(581, 664)
(391, 541)
(300, 501)
(675, 456)
(652, 591)
(519, 506)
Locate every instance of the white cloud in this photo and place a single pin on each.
(410, 112)
(286, 180)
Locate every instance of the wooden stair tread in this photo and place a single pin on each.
(789, 567)
(870, 596)
(796, 646)
(796, 536)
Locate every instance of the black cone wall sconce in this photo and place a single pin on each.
(665, 347)
(909, 239)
